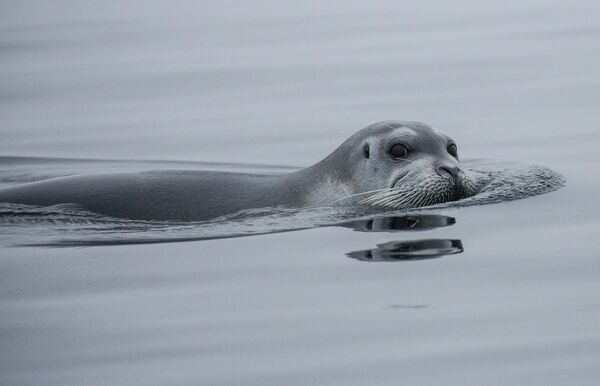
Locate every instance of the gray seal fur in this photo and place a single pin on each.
(360, 171)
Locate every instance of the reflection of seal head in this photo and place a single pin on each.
(413, 222)
(389, 164)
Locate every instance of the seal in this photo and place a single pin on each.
(390, 164)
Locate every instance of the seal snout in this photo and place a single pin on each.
(449, 172)
(460, 186)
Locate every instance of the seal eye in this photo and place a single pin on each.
(398, 151)
(453, 150)
(366, 150)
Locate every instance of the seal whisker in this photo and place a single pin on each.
(386, 200)
(380, 196)
(358, 194)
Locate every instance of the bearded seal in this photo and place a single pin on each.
(390, 164)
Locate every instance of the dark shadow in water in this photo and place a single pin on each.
(400, 223)
(409, 250)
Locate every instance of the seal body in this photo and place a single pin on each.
(370, 168)
(166, 194)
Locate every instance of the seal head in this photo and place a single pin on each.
(400, 165)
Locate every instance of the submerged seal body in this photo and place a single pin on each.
(390, 164)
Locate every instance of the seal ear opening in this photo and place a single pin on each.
(366, 150)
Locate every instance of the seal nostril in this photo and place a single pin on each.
(448, 171)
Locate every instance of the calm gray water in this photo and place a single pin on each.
(236, 85)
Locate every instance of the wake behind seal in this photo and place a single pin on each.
(390, 164)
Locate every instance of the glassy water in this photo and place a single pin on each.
(505, 293)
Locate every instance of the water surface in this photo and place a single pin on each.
(232, 84)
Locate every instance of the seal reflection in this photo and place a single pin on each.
(405, 250)
(400, 223)
(409, 250)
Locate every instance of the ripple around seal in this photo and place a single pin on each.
(68, 225)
